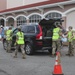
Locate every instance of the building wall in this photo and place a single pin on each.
(14, 3)
(26, 2)
(68, 17)
(2, 4)
(70, 20)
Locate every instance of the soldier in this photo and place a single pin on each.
(56, 40)
(73, 43)
(70, 41)
(9, 39)
(20, 43)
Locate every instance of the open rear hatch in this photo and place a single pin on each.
(47, 30)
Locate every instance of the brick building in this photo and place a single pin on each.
(19, 12)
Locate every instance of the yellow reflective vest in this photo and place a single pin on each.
(8, 34)
(73, 35)
(70, 34)
(20, 38)
(56, 35)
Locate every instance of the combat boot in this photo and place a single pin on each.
(15, 56)
(71, 55)
(52, 55)
(67, 54)
(7, 51)
(23, 57)
(10, 51)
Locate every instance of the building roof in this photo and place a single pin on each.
(33, 5)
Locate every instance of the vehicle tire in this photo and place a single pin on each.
(5, 45)
(28, 49)
(50, 51)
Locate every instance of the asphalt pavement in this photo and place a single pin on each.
(39, 64)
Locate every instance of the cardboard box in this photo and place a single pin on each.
(65, 43)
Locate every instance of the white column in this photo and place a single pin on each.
(15, 23)
(4, 22)
(64, 23)
(27, 21)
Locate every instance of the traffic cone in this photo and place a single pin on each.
(57, 66)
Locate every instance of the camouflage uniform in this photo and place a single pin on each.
(8, 39)
(56, 44)
(73, 44)
(22, 50)
(20, 43)
(9, 46)
(71, 49)
(70, 40)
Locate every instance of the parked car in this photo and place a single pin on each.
(37, 36)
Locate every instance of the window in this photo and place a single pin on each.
(53, 15)
(35, 19)
(2, 22)
(24, 29)
(15, 31)
(21, 20)
(31, 29)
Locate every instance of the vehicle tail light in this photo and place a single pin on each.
(39, 36)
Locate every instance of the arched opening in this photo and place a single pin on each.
(10, 21)
(21, 20)
(2, 22)
(53, 15)
(35, 18)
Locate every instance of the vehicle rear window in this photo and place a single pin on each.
(24, 29)
(31, 29)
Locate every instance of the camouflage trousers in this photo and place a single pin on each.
(22, 49)
(56, 46)
(71, 47)
(8, 46)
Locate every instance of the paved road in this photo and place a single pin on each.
(38, 64)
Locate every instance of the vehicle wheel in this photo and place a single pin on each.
(28, 49)
(50, 51)
(5, 45)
